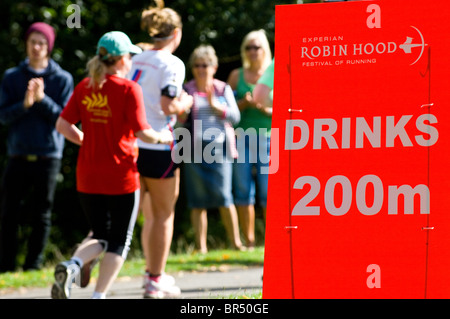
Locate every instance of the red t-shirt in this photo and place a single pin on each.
(109, 118)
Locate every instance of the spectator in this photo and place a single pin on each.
(111, 111)
(161, 76)
(32, 96)
(208, 183)
(263, 91)
(253, 134)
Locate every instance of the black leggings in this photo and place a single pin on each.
(112, 219)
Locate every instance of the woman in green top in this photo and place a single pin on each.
(253, 132)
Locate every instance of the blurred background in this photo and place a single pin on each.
(79, 24)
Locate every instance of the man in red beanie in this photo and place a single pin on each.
(46, 30)
(32, 95)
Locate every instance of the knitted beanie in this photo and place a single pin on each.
(46, 30)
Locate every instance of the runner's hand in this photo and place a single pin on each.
(165, 137)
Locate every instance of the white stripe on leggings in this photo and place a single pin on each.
(130, 229)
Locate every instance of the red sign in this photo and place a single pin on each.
(359, 205)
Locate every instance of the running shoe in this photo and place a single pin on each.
(66, 273)
(161, 289)
(167, 279)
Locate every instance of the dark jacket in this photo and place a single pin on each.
(32, 131)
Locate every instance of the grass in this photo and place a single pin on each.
(212, 261)
(257, 295)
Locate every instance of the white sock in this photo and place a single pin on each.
(98, 295)
(78, 261)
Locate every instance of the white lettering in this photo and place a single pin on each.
(327, 134)
(363, 129)
(324, 132)
(305, 52)
(289, 140)
(427, 129)
(368, 48)
(302, 207)
(346, 124)
(393, 130)
(392, 47)
(408, 194)
(361, 191)
(357, 49)
(330, 189)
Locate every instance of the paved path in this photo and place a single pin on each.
(193, 285)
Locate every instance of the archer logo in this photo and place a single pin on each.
(408, 45)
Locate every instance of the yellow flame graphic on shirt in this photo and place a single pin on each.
(97, 104)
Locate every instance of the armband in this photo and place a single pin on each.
(170, 91)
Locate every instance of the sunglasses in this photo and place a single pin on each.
(204, 66)
(252, 47)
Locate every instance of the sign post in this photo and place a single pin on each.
(359, 205)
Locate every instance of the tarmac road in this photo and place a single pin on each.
(194, 285)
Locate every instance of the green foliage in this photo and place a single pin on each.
(222, 23)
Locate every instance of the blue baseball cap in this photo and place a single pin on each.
(117, 43)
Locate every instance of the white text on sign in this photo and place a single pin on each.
(395, 192)
(324, 129)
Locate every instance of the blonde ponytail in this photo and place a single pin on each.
(96, 70)
(159, 21)
(97, 67)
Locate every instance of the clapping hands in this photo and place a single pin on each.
(34, 93)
